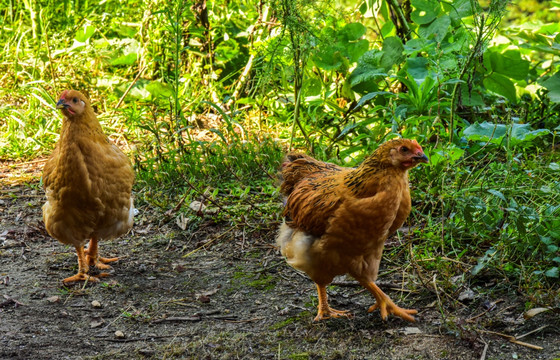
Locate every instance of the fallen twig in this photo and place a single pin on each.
(244, 321)
(10, 301)
(483, 356)
(179, 318)
(532, 331)
(513, 339)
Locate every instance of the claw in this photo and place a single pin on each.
(329, 312)
(80, 277)
(386, 306)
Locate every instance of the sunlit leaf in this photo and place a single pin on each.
(437, 29)
(84, 33)
(425, 11)
(552, 84)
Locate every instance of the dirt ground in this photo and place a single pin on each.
(224, 293)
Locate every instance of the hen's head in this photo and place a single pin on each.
(402, 153)
(72, 103)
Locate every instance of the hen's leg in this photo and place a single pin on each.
(93, 257)
(82, 269)
(386, 305)
(324, 311)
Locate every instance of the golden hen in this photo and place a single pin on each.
(88, 183)
(336, 219)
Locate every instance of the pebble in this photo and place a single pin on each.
(96, 304)
(119, 334)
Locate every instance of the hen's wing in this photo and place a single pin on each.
(314, 190)
(297, 167)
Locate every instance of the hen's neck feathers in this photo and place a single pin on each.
(84, 125)
(375, 174)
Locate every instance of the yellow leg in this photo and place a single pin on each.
(324, 311)
(93, 258)
(386, 305)
(82, 269)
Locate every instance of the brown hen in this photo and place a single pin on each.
(336, 219)
(88, 183)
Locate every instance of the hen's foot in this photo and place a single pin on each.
(80, 277)
(329, 312)
(387, 307)
(101, 262)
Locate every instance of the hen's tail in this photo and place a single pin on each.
(297, 166)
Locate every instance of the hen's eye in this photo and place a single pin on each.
(75, 100)
(404, 149)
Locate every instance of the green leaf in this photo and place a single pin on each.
(425, 11)
(509, 64)
(353, 31)
(459, 8)
(437, 29)
(329, 58)
(495, 133)
(553, 272)
(498, 194)
(370, 96)
(159, 89)
(501, 85)
(393, 52)
(472, 98)
(552, 84)
(84, 33)
(363, 78)
(128, 59)
(356, 49)
(417, 68)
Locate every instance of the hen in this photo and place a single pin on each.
(336, 219)
(88, 183)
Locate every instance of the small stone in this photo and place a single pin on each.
(466, 295)
(119, 334)
(96, 304)
(53, 299)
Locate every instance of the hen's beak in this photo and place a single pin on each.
(421, 158)
(61, 104)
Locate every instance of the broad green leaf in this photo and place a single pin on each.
(552, 84)
(417, 68)
(437, 29)
(425, 11)
(459, 9)
(501, 85)
(414, 46)
(356, 49)
(495, 133)
(329, 58)
(509, 64)
(393, 52)
(128, 59)
(84, 33)
(353, 31)
(159, 89)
